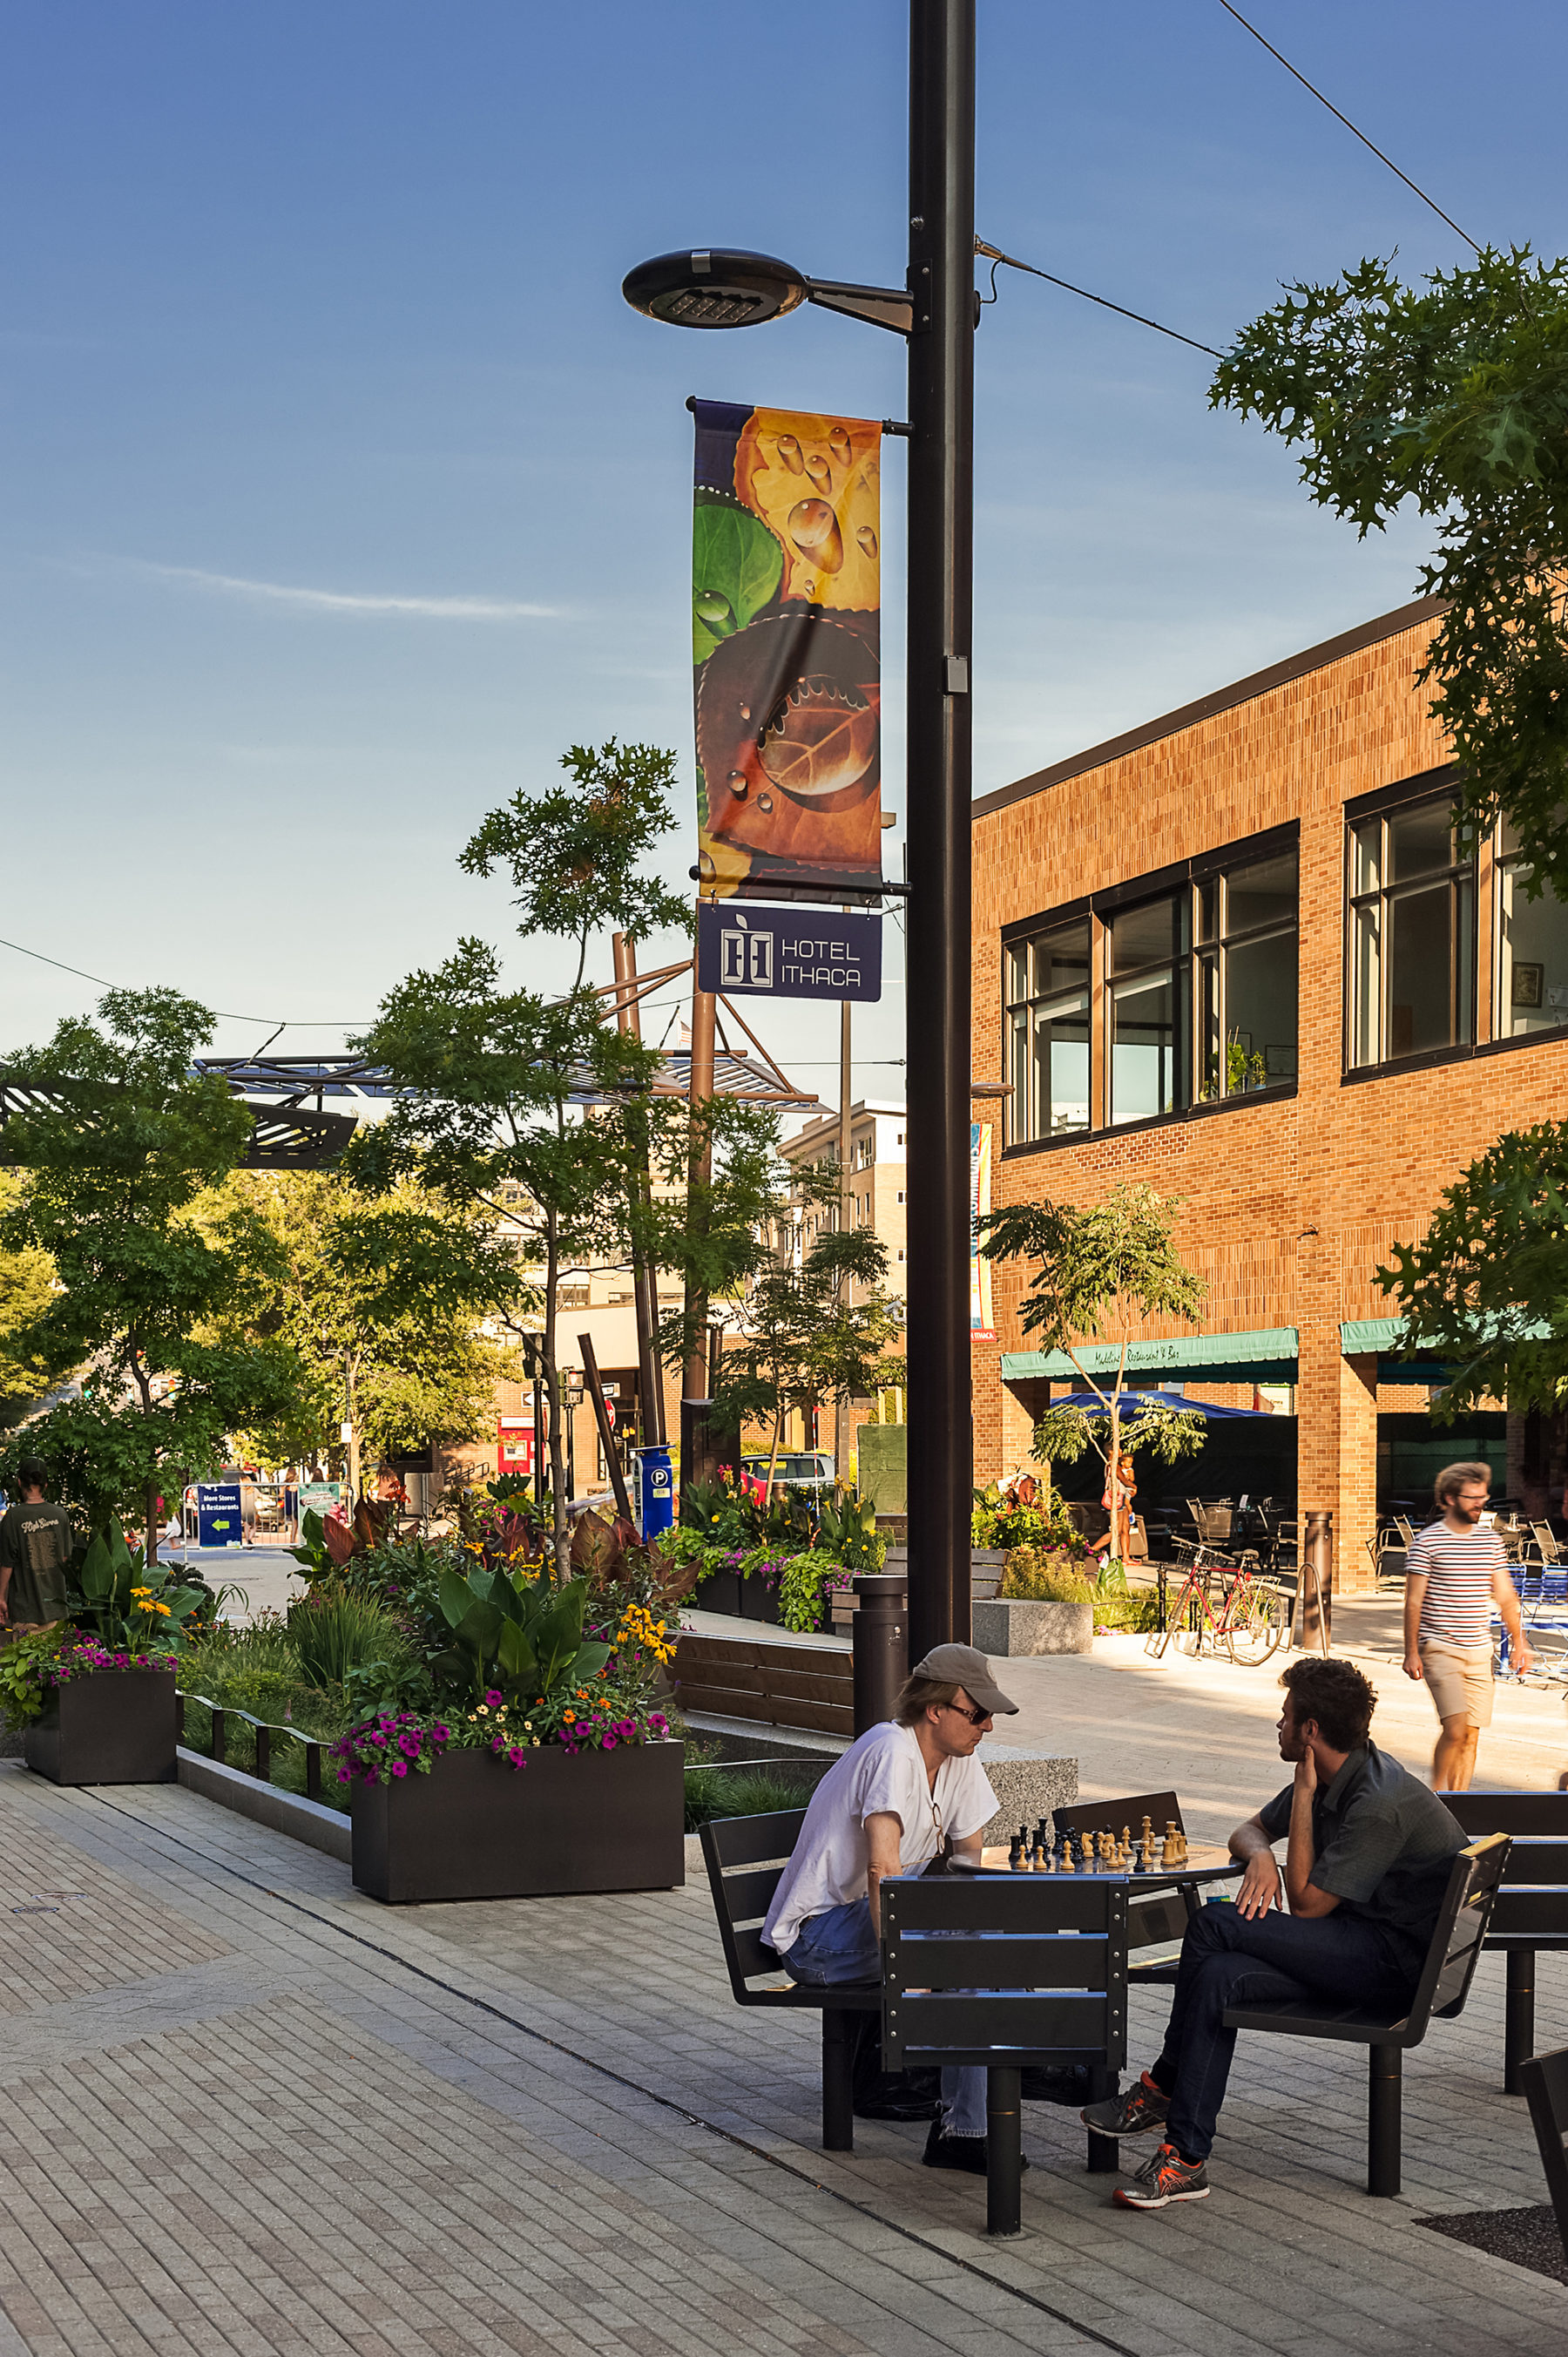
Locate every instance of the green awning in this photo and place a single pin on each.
(1267, 1355)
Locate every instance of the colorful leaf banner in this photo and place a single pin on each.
(787, 645)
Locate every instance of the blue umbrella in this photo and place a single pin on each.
(1132, 1402)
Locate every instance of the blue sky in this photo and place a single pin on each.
(341, 489)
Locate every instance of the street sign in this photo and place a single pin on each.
(761, 952)
(217, 1517)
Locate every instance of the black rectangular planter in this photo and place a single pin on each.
(476, 1828)
(113, 1726)
(743, 1599)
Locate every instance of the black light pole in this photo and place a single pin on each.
(717, 288)
(936, 983)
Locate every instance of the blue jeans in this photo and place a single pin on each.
(1272, 1959)
(839, 1945)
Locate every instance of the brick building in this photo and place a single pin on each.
(1239, 952)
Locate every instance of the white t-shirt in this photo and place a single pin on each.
(881, 1773)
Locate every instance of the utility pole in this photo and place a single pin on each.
(644, 1279)
(846, 1219)
(696, 1445)
(940, 615)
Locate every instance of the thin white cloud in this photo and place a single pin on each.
(343, 601)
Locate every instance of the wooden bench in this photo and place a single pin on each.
(1463, 1921)
(744, 1857)
(810, 1687)
(1531, 1911)
(996, 1973)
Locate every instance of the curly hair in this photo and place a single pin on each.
(1335, 1693)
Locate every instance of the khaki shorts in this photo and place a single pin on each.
(1460, 1679)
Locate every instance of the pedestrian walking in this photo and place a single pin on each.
(37, 1541)
(1456, 1570)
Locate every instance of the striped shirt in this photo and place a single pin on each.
(1457, 1567)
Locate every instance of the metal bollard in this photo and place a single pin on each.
(881, 1642)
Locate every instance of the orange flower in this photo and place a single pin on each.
(569, 1715)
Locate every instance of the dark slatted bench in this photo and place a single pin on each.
(744, 1857)
(1531, 1911)
(1461, 1927)
(809, 1687)
(1543, 2081)
(1153, 1914)
(978, 1969)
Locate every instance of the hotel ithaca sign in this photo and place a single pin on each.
(756, 953)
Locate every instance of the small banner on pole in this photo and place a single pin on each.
(981, 1329)
(786, 641)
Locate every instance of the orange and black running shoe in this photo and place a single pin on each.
(1141, 2111)
(1165, 2178)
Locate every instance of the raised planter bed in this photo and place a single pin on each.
(475, 1829)
(117, 1727)
(1004, 1627)
(743, 1599)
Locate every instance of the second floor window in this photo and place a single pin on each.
(1532, 951)
(1048, 1031)
(1412, 949)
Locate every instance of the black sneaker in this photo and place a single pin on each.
(1165, 2178)
(965, 2152)
(1141, 2111)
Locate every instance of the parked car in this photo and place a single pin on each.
(810, 1468)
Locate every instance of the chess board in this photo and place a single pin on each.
(1202, 1858)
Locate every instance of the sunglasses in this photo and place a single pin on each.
(976, 1717)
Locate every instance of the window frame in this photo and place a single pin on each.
(1462, 873)
(1503, 861)
(1099, 907)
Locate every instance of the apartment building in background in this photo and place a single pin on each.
(1242, 954)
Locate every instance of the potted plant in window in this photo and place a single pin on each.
(529, 1758)
(95, 1698)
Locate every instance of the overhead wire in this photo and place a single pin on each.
(1371, 145)
(317, 1023)
(997, 259)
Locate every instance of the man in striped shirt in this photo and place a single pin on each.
(1453, 1571)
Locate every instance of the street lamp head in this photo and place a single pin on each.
(714, 287)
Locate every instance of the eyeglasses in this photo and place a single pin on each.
(976, 1717)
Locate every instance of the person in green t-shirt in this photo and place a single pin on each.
(36, 1543)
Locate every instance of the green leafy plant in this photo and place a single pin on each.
(26, 1667)
(523, 1635)
(339, 1630)
(848, 1529)
(807, 1585)
(124, 1603)
(1033, 1575)
(742, 1792)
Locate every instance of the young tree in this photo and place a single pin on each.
(515, 1101)
(1104, 1268)
(27, 1287)
(1487, 1287)
(380, 1299)
(803, 1341)
(122, 1141)
(1454, 397)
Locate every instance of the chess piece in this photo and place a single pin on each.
(1068, 1866)
(1149, 1834)
(1126, 1843)
(1165, 1858)
(1015, 1855)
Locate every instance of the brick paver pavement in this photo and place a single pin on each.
(293, 2121)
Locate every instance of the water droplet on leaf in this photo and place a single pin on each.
(765, 802)
(710, 605)
(814, 528)
(821, 473)
(839, 444)
(789, 453)
(866, 538)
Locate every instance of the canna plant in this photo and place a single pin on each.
(521, 1634)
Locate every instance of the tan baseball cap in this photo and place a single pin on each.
(965, 1666)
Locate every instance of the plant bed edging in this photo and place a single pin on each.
(265, 1804)
(475, 1827)
(116, 1726)
(1010, 1627)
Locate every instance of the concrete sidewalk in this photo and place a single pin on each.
(247, 2111)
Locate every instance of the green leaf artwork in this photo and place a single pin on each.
(736, 566)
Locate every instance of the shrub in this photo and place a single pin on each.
(1043, 1575)
(742, 1792)
(337, 1630)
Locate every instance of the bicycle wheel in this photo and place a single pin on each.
(1260, 1628)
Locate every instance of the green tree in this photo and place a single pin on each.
(121, 1141)
(26, 1287)
(381, 1301)
(802, 1340)
(1454, 396)
(1100, 1270)
(1486, 1288)
(517, 1102)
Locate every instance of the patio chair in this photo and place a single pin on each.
(1544, 2079)
(1213, 1521)
(1548, 1547)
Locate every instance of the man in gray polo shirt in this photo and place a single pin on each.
(1366, 1864)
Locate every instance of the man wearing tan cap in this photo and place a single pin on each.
(901, 1793)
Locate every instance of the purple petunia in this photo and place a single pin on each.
(400, 1767)
(493, 1697)
(344, 1776)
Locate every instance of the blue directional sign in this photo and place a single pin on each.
(218, 1516)
(755, 952)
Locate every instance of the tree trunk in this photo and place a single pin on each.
(151, 1504)
(350, 1368)
(561, 1520)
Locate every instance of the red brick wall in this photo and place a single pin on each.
(1287, 1205)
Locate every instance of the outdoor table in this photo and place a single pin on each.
(1160, 1903)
